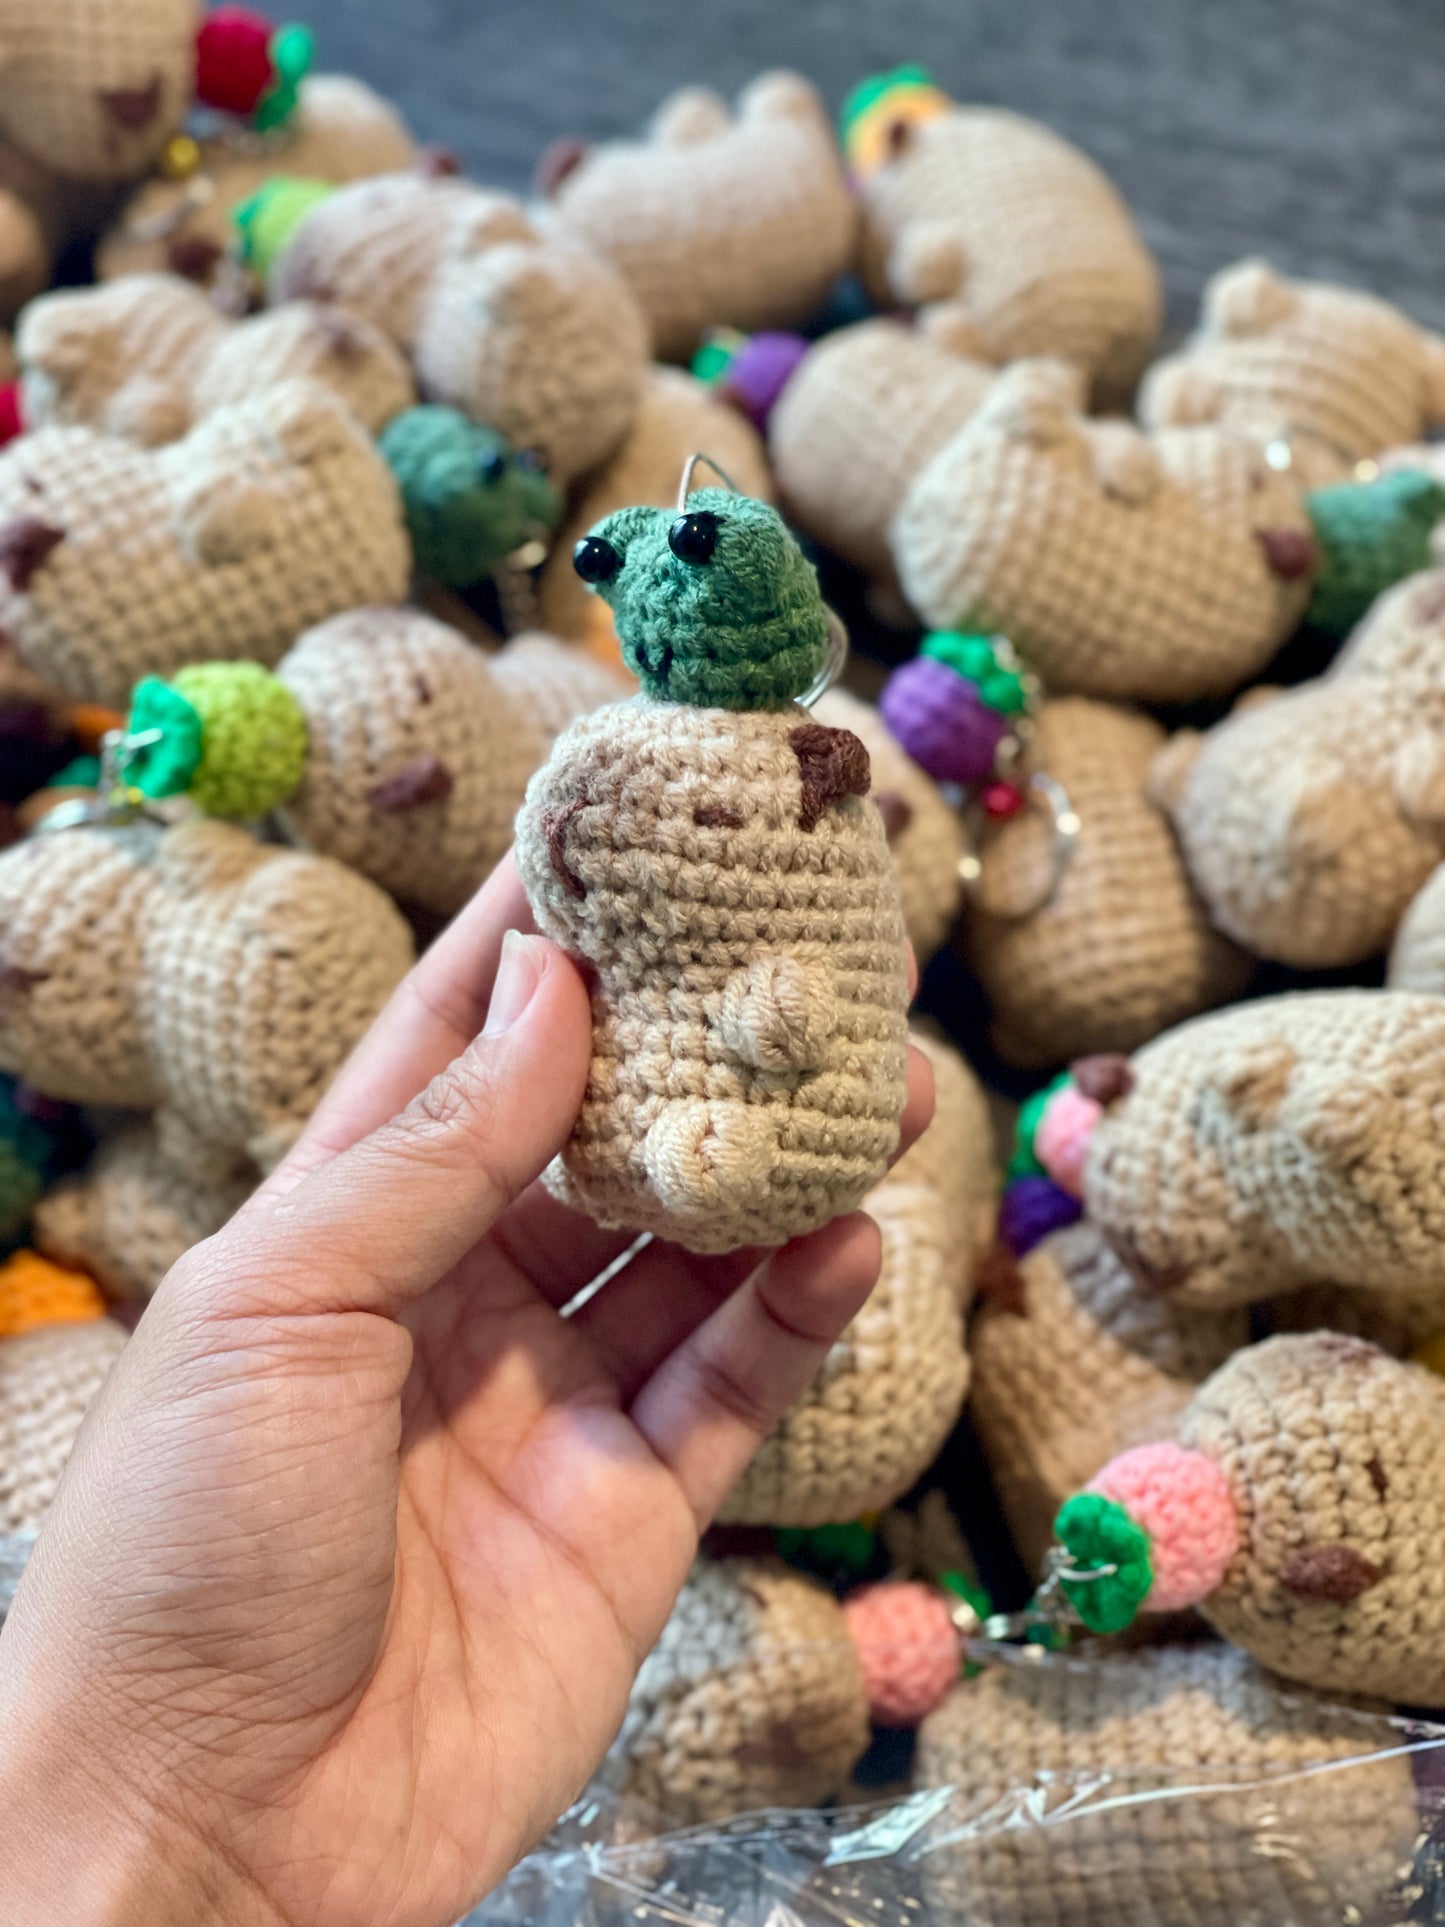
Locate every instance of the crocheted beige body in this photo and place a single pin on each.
(925, 833)
(194, 970)
(676, 416)
(1120, 947)
(1179, 1787)
(1156, 569)
(47, 1379)
(419, 745)
(1330, 374)
(1311, 817)
(752, 1697)
(536, 338)
(890, 1390)
(149, 356)
(1417, 956)
(1335, 1456)
(1280, 1143)
(730, 887)
(147, 1197)
(1079, 1365)
(1015, 243)
(719, 218)
(863, 413)
(89, 96)
(118, 562)
(341, 131)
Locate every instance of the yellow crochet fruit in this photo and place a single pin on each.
(34, 1292)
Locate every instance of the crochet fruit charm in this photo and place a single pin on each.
(247, 67)
(714, 857)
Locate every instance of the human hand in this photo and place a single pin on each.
(362, 1543)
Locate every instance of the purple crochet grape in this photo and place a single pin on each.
(759, 372)
(1031, 1208)
(941, 720)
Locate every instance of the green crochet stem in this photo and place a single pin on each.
(848, 1547)
(265, 223)
(1097, 1532)
(867, 94)
(1371, 535)
(470, 501)
(976, 659)
(229, 734)
(1023, 1163)
(747, 628)
(292, 49)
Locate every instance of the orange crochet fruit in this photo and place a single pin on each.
(35, 1292)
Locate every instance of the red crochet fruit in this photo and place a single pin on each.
(12, 422)
(233, 60)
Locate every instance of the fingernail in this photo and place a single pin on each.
(519, 971)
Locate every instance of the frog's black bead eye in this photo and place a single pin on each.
(491, 465)
(692, 538)
(595, 559)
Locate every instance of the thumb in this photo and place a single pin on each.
(382, 1222)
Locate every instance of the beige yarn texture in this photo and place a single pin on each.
(1417, 956)
(890, 1390)
(89, 95)
(1332, 374)
(752, 1697)
(1014, 242)
(676, 417)
(862, 414)
(1286, 1142)
(141, 1204)
(47, 1379)
(925, 833)
(1310, 817)
(1335, 1455)
(1122, 948)
(192, 969)
(749, 1037)
(148, 356)
(719, 217)
(1249, 1825)
(419, 745)
(1084, 1366)
(1119, 564)
(341, 131)
(537, 338)
(124, 561)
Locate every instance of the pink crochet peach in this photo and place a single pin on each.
(1183, 1501)
(1061, 1141)
(907, 1650)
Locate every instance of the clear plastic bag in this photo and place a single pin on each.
(1357, 1840)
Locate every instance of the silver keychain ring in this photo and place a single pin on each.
(1049, 795)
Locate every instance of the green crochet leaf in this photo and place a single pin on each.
(265, 223)
(849, 1546)
(869, 92)
(1096, 1532)
(165, 767)
(292, 50)
(975, 658)
(1371, 535)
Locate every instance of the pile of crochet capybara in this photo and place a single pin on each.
(351, 534)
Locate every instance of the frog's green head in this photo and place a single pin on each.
(470, 499)
(714, 604)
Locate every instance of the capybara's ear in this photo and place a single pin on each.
(1254, 1082)
(1178, 393)
(1248, 299)
(1168, 775)
(1034, 401)
(928, 262)
(691, 115)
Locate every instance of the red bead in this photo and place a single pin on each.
(1002, 800)
(233, 60)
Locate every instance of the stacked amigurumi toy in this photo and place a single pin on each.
(365, 522)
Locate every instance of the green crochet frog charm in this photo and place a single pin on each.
(714, 602)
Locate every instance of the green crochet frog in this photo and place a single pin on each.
(714, 602)
(471, 501)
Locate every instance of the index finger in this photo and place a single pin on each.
(432, 1015)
